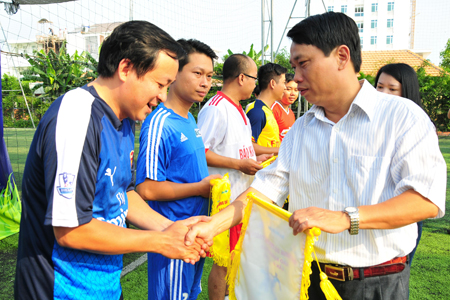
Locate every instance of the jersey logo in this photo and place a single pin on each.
(65, 188)
(183, 138)
(246, 152)
(131, 158)
(108, 173)
(197, 132)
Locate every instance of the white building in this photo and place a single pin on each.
(383, 24)
(15, 55)
(89, 38)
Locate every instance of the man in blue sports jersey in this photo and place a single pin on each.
(172, 171)
(265, 130)
(78, 186)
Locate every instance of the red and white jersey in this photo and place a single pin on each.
(285, 119)
(226, 131)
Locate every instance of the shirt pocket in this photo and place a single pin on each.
(366, 177)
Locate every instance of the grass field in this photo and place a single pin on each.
(429, 273)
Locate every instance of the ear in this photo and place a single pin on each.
(343, 57)
(272, 83)
(240, 79)
(124, 69)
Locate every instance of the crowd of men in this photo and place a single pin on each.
(362, 166)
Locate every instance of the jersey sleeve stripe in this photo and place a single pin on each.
(211, 102)
(74, 116)
(171, 279)
(158, 142)
(181, 280)
(155, 141)
(219, 98)
(148, 162)
(176, 279)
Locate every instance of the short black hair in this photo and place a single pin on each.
(289, 77)
(194, 46)
(235, 65)
(406, 75)
(268, 72)
(140, 42)
(328, 31)
(256, 91)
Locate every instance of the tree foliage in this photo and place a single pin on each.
(435, 95)
(445, 56)
(15, 113)
(60, 73)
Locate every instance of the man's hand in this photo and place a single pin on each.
(249, 166)
(202, 230)
(174, 246)
(324, 219)
(205, 189)
(193, 221)
(263, 157)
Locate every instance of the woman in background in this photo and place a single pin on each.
(401, 80)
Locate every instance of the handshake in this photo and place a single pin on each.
(188, 239)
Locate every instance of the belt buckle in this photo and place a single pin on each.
(337, 273)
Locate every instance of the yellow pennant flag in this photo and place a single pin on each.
(269, 262)
(220, 198)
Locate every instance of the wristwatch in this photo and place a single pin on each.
(353, 213)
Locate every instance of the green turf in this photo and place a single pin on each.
(18, 141)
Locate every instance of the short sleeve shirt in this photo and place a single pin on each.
(171, 149)
(384, 146)
(79, 167)
(265, 130)
(285, 118)
(226, 131)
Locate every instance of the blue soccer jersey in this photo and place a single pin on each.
(79, 167)
(171, 149)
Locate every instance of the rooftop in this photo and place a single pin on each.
(372, 61)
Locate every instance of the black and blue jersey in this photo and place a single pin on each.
(79, 167)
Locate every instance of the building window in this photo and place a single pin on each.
(330, 8)
(390, 6)
(373, 40)
(360, 26)
(374, 7)
(344, 9)
(390, 23)
(361, 41)
(373, 24)
(359, 11)
(389, 39)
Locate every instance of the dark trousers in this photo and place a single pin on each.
(387, 287)
(419, 235)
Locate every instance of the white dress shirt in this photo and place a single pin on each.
(384, 146)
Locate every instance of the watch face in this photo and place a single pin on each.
(351, 209)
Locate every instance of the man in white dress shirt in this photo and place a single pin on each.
(361, 165)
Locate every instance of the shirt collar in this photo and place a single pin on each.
(364, 100)
(109, 113)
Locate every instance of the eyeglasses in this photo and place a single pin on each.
(256, 78)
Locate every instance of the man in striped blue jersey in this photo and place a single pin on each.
(361, 165)
(78, 185)
(172, 171)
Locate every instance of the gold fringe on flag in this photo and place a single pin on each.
(220, 198)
